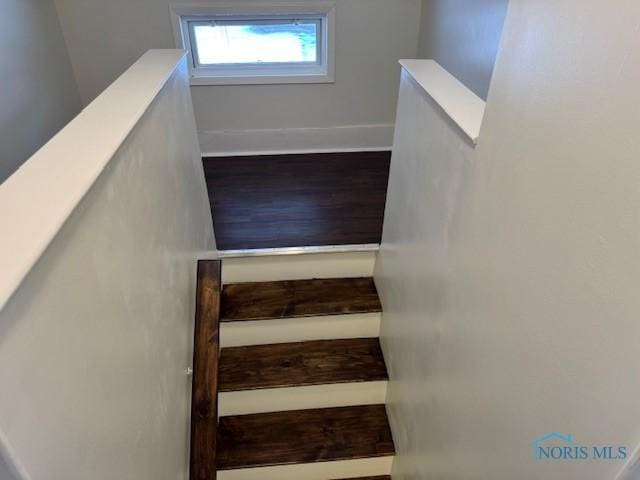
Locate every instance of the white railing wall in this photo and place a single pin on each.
(101, 230)
(509, 268)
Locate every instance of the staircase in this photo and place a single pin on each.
(302, 382)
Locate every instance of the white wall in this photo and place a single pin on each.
(463, 36)
(38, 93)
(105, 37)
(509, 274)
(95, 342)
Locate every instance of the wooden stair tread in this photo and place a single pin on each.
(302, 363)
(298, 298)
(303, 436)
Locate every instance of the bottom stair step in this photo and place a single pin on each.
(304, 436)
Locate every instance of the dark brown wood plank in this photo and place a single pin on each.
(381, 477)
(302, 363)
(298, 298)
(204, 404)
(297, 200)
(303, 436)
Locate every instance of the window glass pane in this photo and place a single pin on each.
(260, 42)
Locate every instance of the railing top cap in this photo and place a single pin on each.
(37, 200)
(463, 106)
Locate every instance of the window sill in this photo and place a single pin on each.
(261, 80)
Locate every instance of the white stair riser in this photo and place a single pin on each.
(301, 398)
(328, 327)
(298, 267)
(366, 467)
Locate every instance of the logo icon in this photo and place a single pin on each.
(555, 446)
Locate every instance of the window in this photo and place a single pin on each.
(253, 45)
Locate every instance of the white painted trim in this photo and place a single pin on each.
(463, 106)
(178, 10)
(250, 153)
(298, 267)
(349, 138)
(201, 79)
(300, 398)
(329, 327)
(364, 467)
(242, 7)
(37, 200)
(268, 252)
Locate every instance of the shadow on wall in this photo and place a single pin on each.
(463, 36)
(7, 470)
(39, 93)
(633, 471)
(6, 473)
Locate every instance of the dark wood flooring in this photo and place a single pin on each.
(297, 200)
(302, 363)
(298, 298)
(266, 439)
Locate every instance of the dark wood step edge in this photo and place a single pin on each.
(204, 403)
(316, 297)
(298, 364)
(304, 436)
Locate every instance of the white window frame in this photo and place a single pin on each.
(183, 17)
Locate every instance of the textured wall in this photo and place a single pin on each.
(509, 274)
(463, 36)
(105, 37)
(95, 342)
(38, 93)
